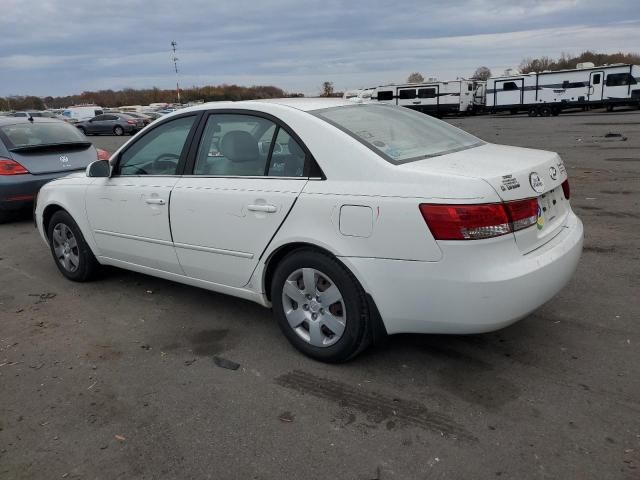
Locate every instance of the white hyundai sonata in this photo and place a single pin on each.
(350, 220)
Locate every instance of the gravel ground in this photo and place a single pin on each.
(116, 378)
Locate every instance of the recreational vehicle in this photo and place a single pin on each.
(435, 98)
(79, 113)
(548, 93)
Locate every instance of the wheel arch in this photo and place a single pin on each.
(48, 212)
(378, 329)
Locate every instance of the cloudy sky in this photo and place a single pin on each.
(58, 47)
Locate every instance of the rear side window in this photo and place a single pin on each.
(36, 134)
(620, 79)
(385, 95)
(506, 86)
(407, 94)
(426, 93)
(159, 151)
(398, 134)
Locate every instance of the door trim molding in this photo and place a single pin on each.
(135, 237)
(186, 246)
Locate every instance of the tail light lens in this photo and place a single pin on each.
(102, 154)
(566, 189)
(131, 122)
(478, 221)
(11, 167)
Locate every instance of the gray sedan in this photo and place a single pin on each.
(111, 124)
(35, 151)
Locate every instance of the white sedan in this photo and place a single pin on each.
(350, 220)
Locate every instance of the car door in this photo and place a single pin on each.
(93, 125)
(109, 121)
(244, 178)
(129, 212)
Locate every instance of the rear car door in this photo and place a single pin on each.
(243, 179)
(96, 124)
(129, 212)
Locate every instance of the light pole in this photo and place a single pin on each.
(174, 58)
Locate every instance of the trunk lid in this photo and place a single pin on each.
(514, 173)
(55, 158)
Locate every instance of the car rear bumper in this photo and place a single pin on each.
(18, 192)
(471, 290)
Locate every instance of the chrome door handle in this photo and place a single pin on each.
(262, 208)
(155, 201)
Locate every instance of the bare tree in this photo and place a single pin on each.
(327, 89)
(415, 77)
(529, 65)
(482, 73)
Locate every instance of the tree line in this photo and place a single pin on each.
(130, 96)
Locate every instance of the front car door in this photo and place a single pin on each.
(129, 212)
(243, 180)
(94, 125)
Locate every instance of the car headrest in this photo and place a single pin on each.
(294, 148)
(239, 146)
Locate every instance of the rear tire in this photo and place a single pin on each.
(70, 251)
(545, 111)
(118, 130)
(533, 111)
(310, 322)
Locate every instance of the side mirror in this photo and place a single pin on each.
(99, 168)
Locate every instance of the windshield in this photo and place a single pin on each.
(36, 134)
(397, 134)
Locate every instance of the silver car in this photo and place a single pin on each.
(34, 151)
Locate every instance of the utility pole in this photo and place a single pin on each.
(174, 58)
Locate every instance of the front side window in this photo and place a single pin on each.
(247, 146)
(399, 135)
(159, 151)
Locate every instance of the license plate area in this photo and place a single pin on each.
(549, 208)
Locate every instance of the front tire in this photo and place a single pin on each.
(70, 251)
(320, 306)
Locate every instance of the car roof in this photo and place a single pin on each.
(16, 120)
(303, 104)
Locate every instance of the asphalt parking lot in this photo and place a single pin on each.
(115, 379)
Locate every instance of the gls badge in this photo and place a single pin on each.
(64, 159)
(536, 182)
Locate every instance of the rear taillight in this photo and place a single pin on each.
(102, 154)
(566, 189)
(11, 167)
(132, 122)
(478, 221)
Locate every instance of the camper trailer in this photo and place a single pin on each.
(434, 98)
(548, 93)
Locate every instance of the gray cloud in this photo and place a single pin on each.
(55, 47)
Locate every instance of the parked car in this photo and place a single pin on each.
(33, 152)
(111, 124)
(348, 219)
(142, 116)
(153, 115)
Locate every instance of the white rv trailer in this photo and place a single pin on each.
(435, 98)
(548, 93)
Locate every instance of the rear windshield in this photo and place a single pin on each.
(35, 134)
(398, 134)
